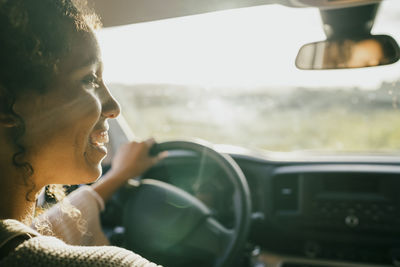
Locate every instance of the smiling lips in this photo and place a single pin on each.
(99, 139)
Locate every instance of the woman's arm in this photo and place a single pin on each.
(131, 160)
(75, 220)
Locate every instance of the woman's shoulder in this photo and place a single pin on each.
(50, 251)
(11, 228)
(12, 234)
(42, 250)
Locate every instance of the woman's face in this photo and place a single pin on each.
(66, 127)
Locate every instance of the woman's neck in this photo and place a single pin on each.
(17, 193)
(14, 202)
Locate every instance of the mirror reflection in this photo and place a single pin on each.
(348, 53)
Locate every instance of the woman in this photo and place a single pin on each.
(54, 108)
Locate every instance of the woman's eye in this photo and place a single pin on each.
(91, 81)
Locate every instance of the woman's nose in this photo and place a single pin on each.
(110, 107)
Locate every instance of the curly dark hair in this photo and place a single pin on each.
(35, 36)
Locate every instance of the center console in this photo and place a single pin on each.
(351, 201)
(344, 213)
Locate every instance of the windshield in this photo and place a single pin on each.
(229, 78)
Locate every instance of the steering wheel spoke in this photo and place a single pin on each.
(212, 237)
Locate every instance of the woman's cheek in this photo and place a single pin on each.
(94, 102)
(73, 133)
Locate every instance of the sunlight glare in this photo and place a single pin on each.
(250, 47)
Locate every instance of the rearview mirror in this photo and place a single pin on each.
(373, 50)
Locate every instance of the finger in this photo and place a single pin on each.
(150, 142)
(162, 155)
(159, 157)
(131, 144)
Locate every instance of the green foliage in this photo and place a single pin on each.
(332, 120)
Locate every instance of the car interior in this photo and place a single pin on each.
(282, 126)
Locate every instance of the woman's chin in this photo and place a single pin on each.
(93, 169)
(85, 174)
(92, 174)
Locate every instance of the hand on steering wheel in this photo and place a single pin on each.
(172, 227)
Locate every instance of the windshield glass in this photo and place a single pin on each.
(229, 77)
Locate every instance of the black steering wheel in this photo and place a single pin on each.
(171, 227)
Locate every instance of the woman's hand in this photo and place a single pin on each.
(131, 160)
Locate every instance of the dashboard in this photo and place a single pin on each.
(305, 213)
(330, 213)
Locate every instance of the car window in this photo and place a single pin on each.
(229, 77)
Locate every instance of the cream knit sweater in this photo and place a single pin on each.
(66, 228)
(42, 250)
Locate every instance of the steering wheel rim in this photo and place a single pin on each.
(210, 228)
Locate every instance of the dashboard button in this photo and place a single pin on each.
(351, 220)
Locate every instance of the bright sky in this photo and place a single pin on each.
(248, 47)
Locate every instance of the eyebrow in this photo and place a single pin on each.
(86, 66)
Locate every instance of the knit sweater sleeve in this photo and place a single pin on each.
(50, 251)
(72, 227)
